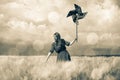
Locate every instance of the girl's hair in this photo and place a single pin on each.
(57, 34)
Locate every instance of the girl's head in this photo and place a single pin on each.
(57, 36)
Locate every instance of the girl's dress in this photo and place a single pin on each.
(60, 48)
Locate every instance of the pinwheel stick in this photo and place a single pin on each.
(77, 23)
(77, 32)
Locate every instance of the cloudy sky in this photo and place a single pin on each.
(35, 21)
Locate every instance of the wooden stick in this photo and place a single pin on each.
(77, 30)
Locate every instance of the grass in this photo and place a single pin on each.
(80, 68)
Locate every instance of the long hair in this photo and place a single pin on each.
(57, 35)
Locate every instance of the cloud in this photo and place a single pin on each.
(117, 2)
(5, 1)
(38, 20)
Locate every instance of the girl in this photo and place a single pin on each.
(59, 45)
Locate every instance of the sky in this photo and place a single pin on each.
(33, 23)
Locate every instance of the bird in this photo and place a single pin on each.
(76, 13)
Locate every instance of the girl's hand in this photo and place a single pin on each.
(76, 39)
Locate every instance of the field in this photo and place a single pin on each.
(80, 68)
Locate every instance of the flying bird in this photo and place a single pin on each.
(76, 13)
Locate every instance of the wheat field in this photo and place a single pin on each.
(80, 68)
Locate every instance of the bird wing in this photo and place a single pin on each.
(72, 12)
(78, 8)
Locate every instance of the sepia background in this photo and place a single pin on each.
(26, 35)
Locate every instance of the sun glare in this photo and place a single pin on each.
(92, 38)
(107, 14)
(53, 17)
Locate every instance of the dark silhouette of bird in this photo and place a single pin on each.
(77, 13)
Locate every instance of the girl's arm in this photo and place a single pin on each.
(73, 41)
(51, 51)
(48, 56)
